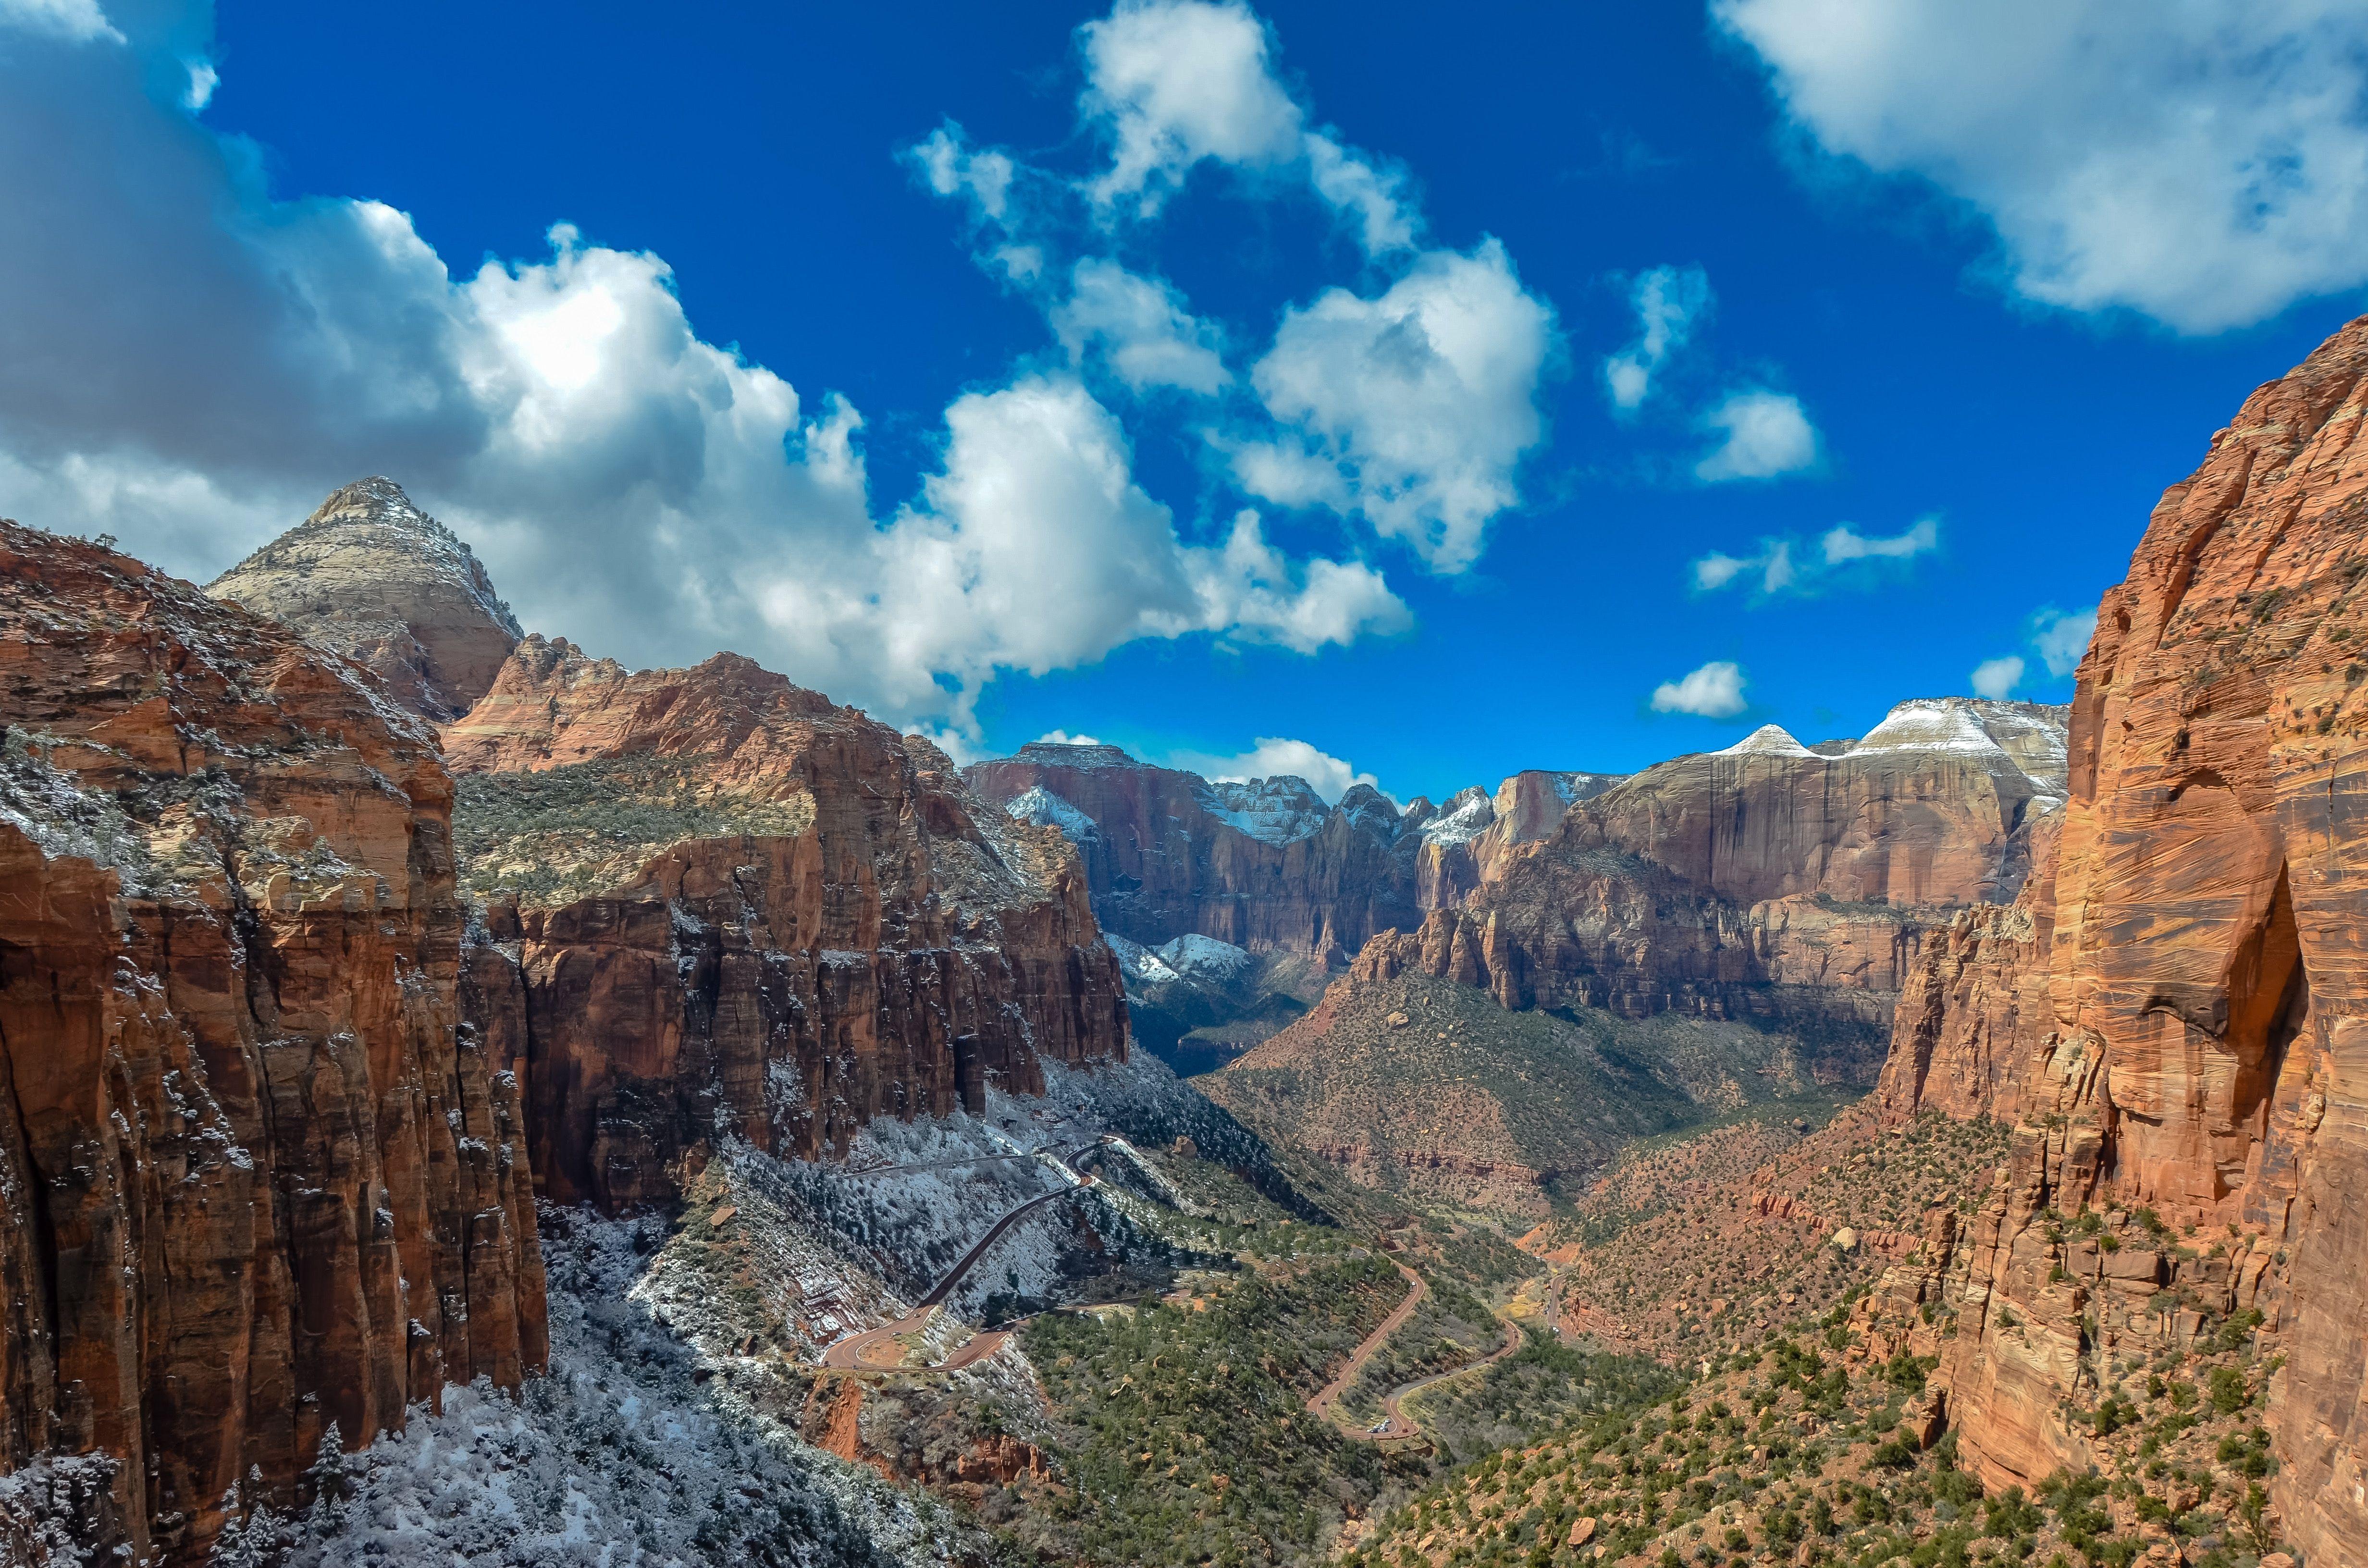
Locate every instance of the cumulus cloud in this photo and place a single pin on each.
(75, 21)
(1996, 678)
(1413, 408)
(1062, 738)
(1172, 83)
(2062, 637)
(1273, 757)
(1713, 691)
(1762, 435)
(1667, 300)
(1139, 326)
(2205, 165)
(1784, 565)
(1845, 543)
(628, 483)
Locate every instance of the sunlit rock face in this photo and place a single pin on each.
(259, 1179)
(2177, 1018)
(373, 577)
(719, 903)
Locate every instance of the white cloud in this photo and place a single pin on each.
(1139, 326)
(75, 21)
(1177, 82)
(2062, 637)
(2204, 164)
(1845, 543)
(1413, 408)
(953, 168)
(1667, 301)
(1713, 691)
(1274, 758)
(1765, 434)
(1782, 565)
(1062, 738)
(1715, 571)
(628, 483)
(1170, 83)
(1996, 678)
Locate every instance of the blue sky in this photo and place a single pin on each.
(933, 355)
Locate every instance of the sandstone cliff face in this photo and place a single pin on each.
(256, 1177)
(722, 905)
(374, 578)
(1768, 879)
(2203, 1048)
(1265, 866)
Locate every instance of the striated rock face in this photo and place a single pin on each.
(2202, 1049)
(722, 906)
(1768, 879)
(375, 578)
(258, 1177)
(1264, 865)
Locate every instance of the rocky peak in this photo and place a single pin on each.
(371, 576)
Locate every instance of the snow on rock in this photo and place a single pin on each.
(622, 1456)
(1369, 810)
(1141, 965)
(1464, 818)
(1280, 810)
(1040, 806)
(1056, 753)
(1206, 959)
(1769, 740)
(1928, 724)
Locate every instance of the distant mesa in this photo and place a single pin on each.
(371, 576)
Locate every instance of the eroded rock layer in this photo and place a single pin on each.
(722, 906)
(259, 1180)
(2198, 1056)
(1768, 879)
(1264, 865)
(375, 578)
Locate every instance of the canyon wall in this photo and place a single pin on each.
(1264, 865)
(2178, 1023)
(258, 1180)
(719, 903)
(1768, 879)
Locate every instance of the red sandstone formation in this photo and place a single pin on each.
(257, 1178)
(2200, 1045)
(1264, 865)
(1765, 879)
(723, 904)
(373, 577)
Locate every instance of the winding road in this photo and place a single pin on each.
(882, 1349)
(1396, 1422)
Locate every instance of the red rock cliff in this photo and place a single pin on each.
(724, 905)
(1264, 865)
(2201, 1048)
(256, 1177)
(1765, 879)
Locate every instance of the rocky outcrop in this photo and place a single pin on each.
(1767, 879)
(721, 905)
(2201, 1055)
(373, 577)
(260, 1182)
(1264, 865)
